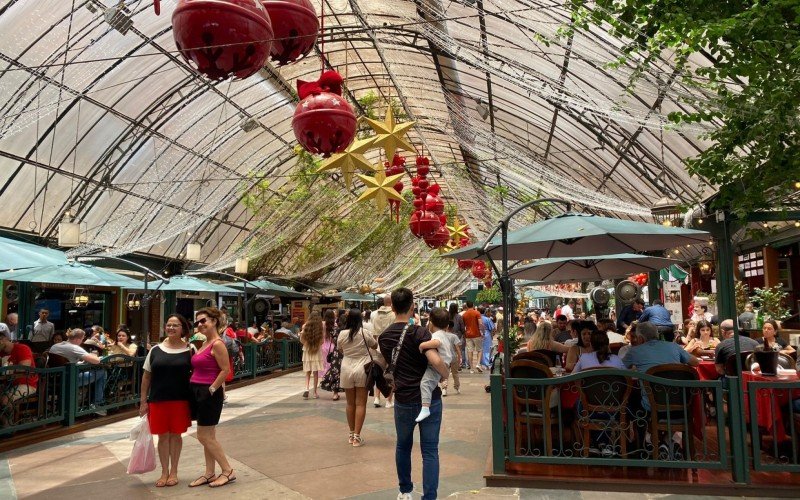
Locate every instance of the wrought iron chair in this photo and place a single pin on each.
(669, 405)
(604, 402)
(532, 407)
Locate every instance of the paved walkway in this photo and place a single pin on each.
(281, 447)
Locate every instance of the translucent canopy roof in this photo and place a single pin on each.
(107, 123)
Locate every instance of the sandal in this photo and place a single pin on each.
(205, 479)
(161, 482)
(305, 395)
(171, 481)
(350, 439)
(228, 479)
(357, 441)
(336, 397)
(316, 396)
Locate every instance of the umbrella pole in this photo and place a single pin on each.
(504, 279)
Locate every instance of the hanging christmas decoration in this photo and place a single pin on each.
(439, 238)
(640, 279)
(350, 160)
(465, 264)
(459, 232)
(222, 38)
(295, 25)
(423, 223)
(396, 167)
(391, 136)
(323, 123)
(381, 188)
(479, 269)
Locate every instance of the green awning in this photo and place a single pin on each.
(268, 286)
(356, 297)
(72, 273)
(16, 254)
(184, 283)
(673, 273)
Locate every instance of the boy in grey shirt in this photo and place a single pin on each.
(439, 319)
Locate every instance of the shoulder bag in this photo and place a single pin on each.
(388, 374)
(375, 374)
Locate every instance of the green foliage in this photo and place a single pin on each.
(515, 339)
(491, 295)
(742, 295)
(770, 302)
(753, 84)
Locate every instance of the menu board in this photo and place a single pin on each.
(300, 309)
(672, 301)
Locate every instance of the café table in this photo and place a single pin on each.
(770, 401)
(707, 370)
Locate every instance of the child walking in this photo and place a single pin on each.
(439, 319)
(311, 338)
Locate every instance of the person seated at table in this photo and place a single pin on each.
(18, 355)
(57, 337)
(543, 340)
(702, 341)
(600, 355)
(72, 350)
(122, 344)
(726, 348)
(574, 332)
(608, 326)
(771, 338)
(687, 332)
(583, 346)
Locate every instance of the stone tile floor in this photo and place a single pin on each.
(281, 446)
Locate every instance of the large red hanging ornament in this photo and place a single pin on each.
(479, 269)
(222, 38)
(434, 203)
(439, 238)
(423, 224)
(295, 25)
(465, 264)
(323, 123)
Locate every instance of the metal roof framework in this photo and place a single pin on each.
(113, 127)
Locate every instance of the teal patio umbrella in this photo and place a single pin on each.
(589, 268)
(356, 297)
(576, 235)
(72, 273)
(273, 288)
(185, 283)
(16, 254)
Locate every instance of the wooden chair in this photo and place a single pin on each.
(56, 360)
(532, 404)
(537, 356)
(669, 409)
(730, 363)
(604, 402)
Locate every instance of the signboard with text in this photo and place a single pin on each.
(300, 309)
(672, 301)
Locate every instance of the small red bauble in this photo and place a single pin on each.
(398, 186)
(439, 238)
(479, 269)
(323, 123)
(295, 25)
(423, 224)
(418, 203)
(434, 189)
(465, 264)
(223, 38)
(434, 204)
(416, 191)
(423, 183)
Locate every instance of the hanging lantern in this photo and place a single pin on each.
(193, 251)
(223, 38)
(479, 269)
(323, 123)
(438, 239)
(69, 232)
(134, 301)
(80, 297)
(423, 224)
(242, 264)
(295, 26)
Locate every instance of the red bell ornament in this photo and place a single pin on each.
(323, 123)
(423, 224)
(295, 26)
(479, 269)
(434, 203)
(223, 38)
(439, 238)
(465, 264)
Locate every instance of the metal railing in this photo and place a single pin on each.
(64, 394)
(774, 425)
(609, 417)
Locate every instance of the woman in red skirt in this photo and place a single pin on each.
(165, 395)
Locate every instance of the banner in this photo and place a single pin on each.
(672, 301)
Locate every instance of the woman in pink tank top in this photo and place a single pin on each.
(210, 366)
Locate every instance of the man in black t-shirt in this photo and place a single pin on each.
(409, 369)
(727, 349)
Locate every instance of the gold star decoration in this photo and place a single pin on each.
(458, 231)
(381, 188)
(448, 248)
(391, 135)
(350, 160)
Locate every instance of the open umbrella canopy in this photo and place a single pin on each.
(20, 255)
(575, 235)
(356, 297)
(536, 294)
(591, 268)
(72, 273)
(268, 286)
(184, 283)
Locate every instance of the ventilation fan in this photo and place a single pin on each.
(11, 293)
(626, 292)
(600, 298)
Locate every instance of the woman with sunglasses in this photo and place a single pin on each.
(210, 366)
(165, 394)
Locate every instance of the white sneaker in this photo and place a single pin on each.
(376, 403)
(480, 370)
(391, 405)
(404, 496)
(472, 371)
